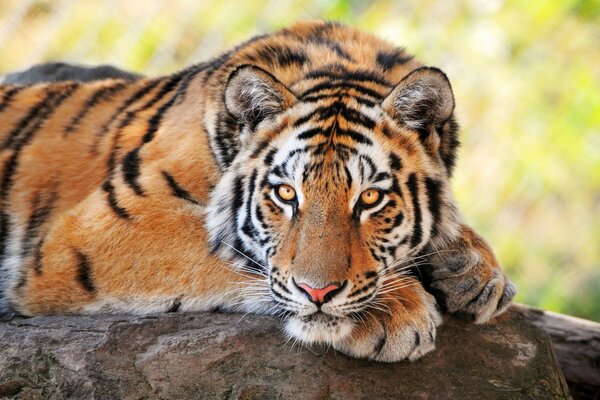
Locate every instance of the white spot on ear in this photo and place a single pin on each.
(254, 96)
(423, 98)
(407, 104)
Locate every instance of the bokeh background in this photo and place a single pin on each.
(526, 76)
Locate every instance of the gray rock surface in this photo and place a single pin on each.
(225, 356)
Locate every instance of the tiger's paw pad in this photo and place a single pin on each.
(472, 283)
(390, 338)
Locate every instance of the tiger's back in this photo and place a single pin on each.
(63, 141)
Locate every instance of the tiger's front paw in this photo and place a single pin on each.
(401, 327)
(466, 277)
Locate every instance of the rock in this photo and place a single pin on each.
(227, 356)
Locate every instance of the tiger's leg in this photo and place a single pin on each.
(466, 277)
(400, 324)
(156, 260)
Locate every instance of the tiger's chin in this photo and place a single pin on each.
(319, 328)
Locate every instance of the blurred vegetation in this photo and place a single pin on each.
(526, 76)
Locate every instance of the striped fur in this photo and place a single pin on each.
(159, 195)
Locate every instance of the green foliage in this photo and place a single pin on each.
(526, 76)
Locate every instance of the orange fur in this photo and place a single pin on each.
(105, 187)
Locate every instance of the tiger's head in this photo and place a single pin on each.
(336, 189)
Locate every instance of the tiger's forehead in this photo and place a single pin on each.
(332, 145)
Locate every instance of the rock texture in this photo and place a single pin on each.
(227, 356)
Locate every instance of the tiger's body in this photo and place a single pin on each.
(165, 194)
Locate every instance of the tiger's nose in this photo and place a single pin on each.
(320, 295)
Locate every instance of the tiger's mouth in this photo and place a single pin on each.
(320, 317)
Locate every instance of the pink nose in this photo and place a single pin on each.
(318, 295)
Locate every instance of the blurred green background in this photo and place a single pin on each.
(526, 76)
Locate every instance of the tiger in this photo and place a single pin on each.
(304, 174)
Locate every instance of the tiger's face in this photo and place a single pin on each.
(331, 200)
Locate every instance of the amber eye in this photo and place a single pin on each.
(286, 193)
(370, 197)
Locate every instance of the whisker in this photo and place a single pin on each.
(245, 256)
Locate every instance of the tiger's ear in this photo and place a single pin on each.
(253, 95)
(422, 99)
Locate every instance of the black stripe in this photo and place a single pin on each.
(5, 227)
(130, 166)
(381, 176)
(259, 216)
(39, 215)
(168, 87)
(291, 156)
(366, 297)
(342, 85)
(132, 162)
(260, 147)
(345, 75)
(138, 95)
(348, 177)
(84, 273)
(108, 187)
(383, 210)
(398, 219)
(175, 306)
(329, 110)
(304, 119)
(370, 274)
(394, 223)
(362, 289)
(189, 74)
(364, 102)
(281, 286)
(354, 135)
(156, 119)
(8, 96)
(270, 155)
(449, 137)
(177, 190)
(396, 187)
(434, 193)
(370, 163)
(12, 163)
(310, 133)
(238, 191)
(248, 228)
(388, 60)
(319, 37)
(338, 108)
(146, 88)
(356, 117)
(332, 45)
(37, 260)
(281, 56)
(413, 188)
(334, 96)
(381, 342)
(395, 162)
(36, 113)
(103, 94)
(226, 139)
